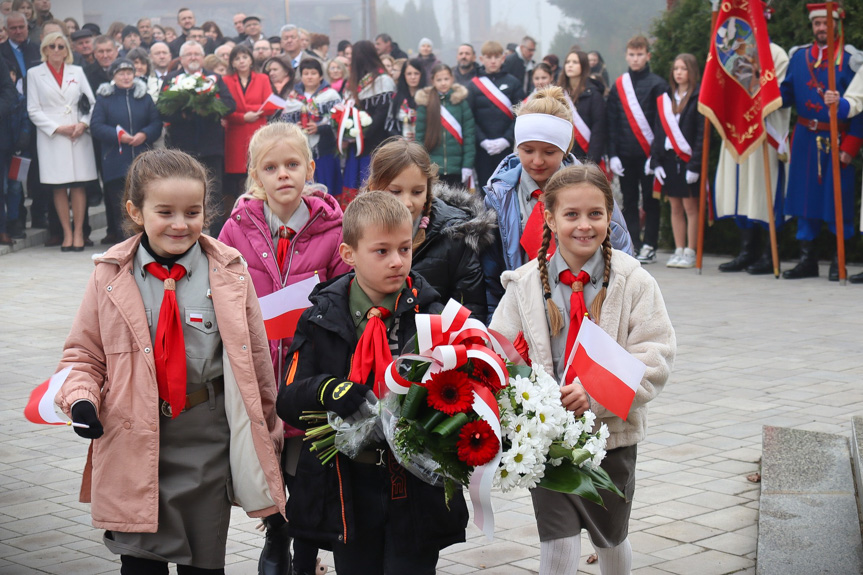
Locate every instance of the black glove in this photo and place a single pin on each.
(343, 398)
(276, 555)
(85, 412)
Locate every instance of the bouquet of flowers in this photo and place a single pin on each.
(348, 118)
(192, 93)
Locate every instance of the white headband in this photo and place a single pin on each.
(543, 128)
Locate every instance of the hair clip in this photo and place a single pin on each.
(605, 284)
(547, 295)
(424, 222)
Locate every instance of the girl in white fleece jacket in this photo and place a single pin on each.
(622, 299)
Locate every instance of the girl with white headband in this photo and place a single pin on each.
(548, 300)
(543, 138)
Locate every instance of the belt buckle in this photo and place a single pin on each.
(165, 408)
(812, 125)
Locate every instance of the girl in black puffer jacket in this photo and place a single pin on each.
(451, 226)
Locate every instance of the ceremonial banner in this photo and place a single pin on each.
(739, 87)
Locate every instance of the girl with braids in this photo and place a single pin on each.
(584, 96)
(543, 138)
(451, 226)
(452, 145)
(541, 300)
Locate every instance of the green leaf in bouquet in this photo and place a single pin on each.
(601, 479)
(523, 370)
(450, 425)
(571, 479)
(431, 419)
(579, 456)
(450, 488)
(414, 400)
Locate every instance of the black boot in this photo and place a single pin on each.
(833, 274)
(764, 264)
(808, 266)
(276, 554)
(856, 278)
(748, 251)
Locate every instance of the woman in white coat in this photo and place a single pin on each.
(59, 101)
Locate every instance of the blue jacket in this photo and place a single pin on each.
(134, 111)
(506, 253)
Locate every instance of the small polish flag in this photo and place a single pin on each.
(196, 317)
(40, 408)
(120, 133)
(609, 374)
(272, 104)
(282, 309)
(18, 168)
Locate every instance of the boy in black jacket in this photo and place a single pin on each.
(375, 516)
(630, 136)
(491, 96)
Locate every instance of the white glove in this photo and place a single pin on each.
(485, 145)
(500, 145)
(616, 166)
(647, 170)
(692, 177)
(659, 174)
(466, 174)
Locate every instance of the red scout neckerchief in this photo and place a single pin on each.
(531, 237)
(286, 234)
(577, 312)
(634, 114)
(169, 348)
(451, 125)
(373, 355)
(493, 93)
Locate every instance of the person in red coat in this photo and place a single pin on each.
(250, 90)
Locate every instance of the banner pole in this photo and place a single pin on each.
(834, 143)
(768, 186)
(705, 153)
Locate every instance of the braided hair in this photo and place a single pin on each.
(583, 175)
(391, 158)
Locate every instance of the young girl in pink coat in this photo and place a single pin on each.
(172, 377)
(286, 236)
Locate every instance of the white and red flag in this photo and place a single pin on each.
(282, 309)
(272, 105)
(18, 168)
(120, 133)
(40, 408)
(739, 87)
(609, 374)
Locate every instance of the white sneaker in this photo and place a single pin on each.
(647, 255)
(687, 260)
(675, 258)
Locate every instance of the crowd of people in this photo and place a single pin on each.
(401, 182)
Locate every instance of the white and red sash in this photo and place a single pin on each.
(494, 94)
(451, 125)
(634, 114)
(775, 139)
(580, 129)
(672, 128)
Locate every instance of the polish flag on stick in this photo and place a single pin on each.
(609, 374)
(120, 133)
(282, 309)
(272, 104)
(18, 168)
(40, 408)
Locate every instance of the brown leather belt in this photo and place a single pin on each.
(816, 126)
(372, 457)
(196, 397)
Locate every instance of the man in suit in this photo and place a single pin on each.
(203, 137)
(19, 51)
(520, 63)
(82, 44)
(105, 52)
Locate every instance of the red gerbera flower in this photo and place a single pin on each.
(483, 373)
(450, 392)
(521, 347)
(477, 443)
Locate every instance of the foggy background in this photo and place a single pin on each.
(556, 24)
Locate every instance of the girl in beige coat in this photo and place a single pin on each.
(625, 301)
(171, 372)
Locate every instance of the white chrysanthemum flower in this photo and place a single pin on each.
(589, 419)
(353, 133)
(506, 480)
(520, 458)
(597, 458)
(188, 83)
(365, 119)
(603, 433)
(527, 394)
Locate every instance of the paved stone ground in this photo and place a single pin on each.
(751, 351)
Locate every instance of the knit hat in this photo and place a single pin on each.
(129, 30)
(120, 64)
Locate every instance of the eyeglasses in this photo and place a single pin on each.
(56, 46)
